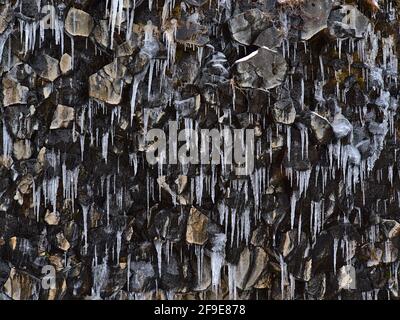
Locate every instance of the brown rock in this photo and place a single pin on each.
(347, 278)
(181, 182)
(101, 33)
(62, 242)
(196, 232)
(6, 15)
(250, 267)
(62, 117)
(107, 84)
(65, 63)
(47, 67)
(21, 286)
(14, 92)
(78, 23)
(22, 149)
(52, 218)
(315, 16)
(391, 227)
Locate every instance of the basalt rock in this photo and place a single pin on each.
(196, 230)
(348, 21)
(246, 26)
(100, 189)
(62, 117)
(65, 63)
(107, 84)
(14, 92)
(315, 16)
(263, 69)
(47, 67)
(22, 286)
(284, 111)
(78, 23)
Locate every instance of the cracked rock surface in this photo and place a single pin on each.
(83, 81)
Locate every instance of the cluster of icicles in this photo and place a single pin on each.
(345, 158)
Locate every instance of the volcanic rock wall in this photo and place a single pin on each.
(83, 81)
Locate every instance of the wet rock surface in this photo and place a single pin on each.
(84, 81)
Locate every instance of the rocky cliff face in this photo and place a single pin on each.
(83, 81)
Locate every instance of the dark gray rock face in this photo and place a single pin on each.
(263, 69)
(85, 215)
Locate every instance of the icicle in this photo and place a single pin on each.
(199, 187)
(108, 196)
(104, 144)
(199, 252)
(167, 9)
(129, 21)
(245, 225)
(119, 198)
(339, 44)
(390, 174)
(293, 200)
(233, 224)
(82, 145)
(317, 217)
(133, 161)
(72, 52)
(70, 183)
(51, 188)
(136, 81)
(200, 51)
(115, 17)
(304, 141)
(303, 179)
(59, 27)
(169, 36)
(36, 199)
(288, 140)
(302, 94)
(283, 276)
(128, 274)
(7, 142)
(85, 210)
(158, 246)
(217, 259)
(212, 183)
(232, 287)
(100, 273)
(3, 39)
(321, 64)
(299, 229)
(119, 240)
(53, 22)
(28, 35)
(335, 247)
(152, 62)
(292, 287)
